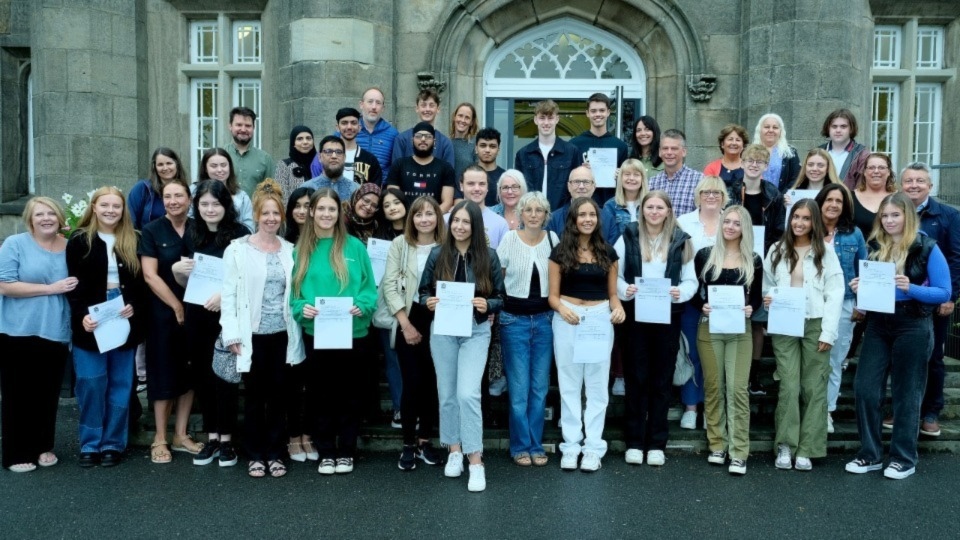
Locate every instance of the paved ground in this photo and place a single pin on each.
(685, 499)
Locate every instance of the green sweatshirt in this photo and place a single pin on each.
(321, 281)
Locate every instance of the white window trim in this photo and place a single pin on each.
(31, 153)
(257, 107)
(235, 42)
(195, 122)
(936, 136)
(893, 122)
(938, 34)
(195, 42)
(896, 33)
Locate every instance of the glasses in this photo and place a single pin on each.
(368, 204)
(535, 211)
(332, 152)
(423, 137)
(581, 182)
(711, 194)
(755, 162)
(877, 168)
(509, 189)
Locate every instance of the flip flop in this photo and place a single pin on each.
(22, 467)
(159, 453)
(48, 462)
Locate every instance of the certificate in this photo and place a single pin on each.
(797, 194)
(377, 250)
(788, 311)
(878, 289)
(454, 316)
(759, 232)
(726, 309)
(112, 330)
(206, 279)
(333, 325)
(652, 302)
(593, 339)
(603, 165)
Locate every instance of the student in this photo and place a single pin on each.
(546, 163)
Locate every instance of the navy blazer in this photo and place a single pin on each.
(942, 223)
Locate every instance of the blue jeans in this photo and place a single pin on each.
(691, 393)
(527, 344)
(839, 353)
(459, 362)
(901, 344)
(392, 365)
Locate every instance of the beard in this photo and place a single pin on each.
(241, 140)
(333, 171)
(423, 153)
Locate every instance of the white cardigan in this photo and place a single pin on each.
(245, 275)
(518, 260)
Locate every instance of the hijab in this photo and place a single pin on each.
(357, 226)
(302, 160)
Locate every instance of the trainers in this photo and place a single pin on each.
(888, 422)
(860, 466)
(717, 458)
(756, 389)
(327, 466)
(344, 465)
(783, 457)
(737, 466)
(395, 422)
(619, 387)
(803, 464)
(898, 471)
(228, 456)
(656, 458)
(590, 462)
(478, 478)
(829, 423)
(568, 461)
(427, 454)
(408, 458)
(454, 466)
(498, 386)
(634, 456)
(209, 452)
(688, 420)
(141, 387)
(930, 427)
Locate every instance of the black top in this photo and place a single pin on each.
(728, 276)
(863, 217)
(754, 206)
(210, 246)
(416, 180)
(588, 281)
(161, 241)
(533, 304)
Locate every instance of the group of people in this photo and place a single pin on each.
(554, 264)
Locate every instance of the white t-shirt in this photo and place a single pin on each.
(423, 252)
(838, 158)
(348, 160)
(545, 150)
(113, 272)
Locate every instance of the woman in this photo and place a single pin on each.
(631, 187)
(784, 163)
(259, 327)
(33, 279)
(710, 197)
(295, 169)
(839, 231)
(102, 255)
(654, 247)
(334, 375)
(216, 164)
(583, 283)
(298, 213)
(898, 343)
(510, 188)
(817, 171)
(393, 214)
(144, 200)
(405, 263)
(360, 214)
(727, 357)
(463, 128)
(214, 228)
(459, 361)
(526, 333)
(733, 139)
(646, 145)
(877, 182)
(161, 245)
(801, 259)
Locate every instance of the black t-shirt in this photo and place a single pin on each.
(531, 305)
(588, 281)
(754, 206)
(416, 180)
(160, 241)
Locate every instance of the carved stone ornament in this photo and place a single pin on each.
(425, 80)
(701, 86)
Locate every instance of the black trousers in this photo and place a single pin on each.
(218, 398)
(419, 399)
(264, 406)
(333, 395)
(648, 367)
(295, 381)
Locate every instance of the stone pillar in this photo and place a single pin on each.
(89, 94)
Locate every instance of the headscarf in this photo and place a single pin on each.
(357, 226)
(302, 169)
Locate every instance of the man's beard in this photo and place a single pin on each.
(238, 140)
(333, 171)
(422, 153)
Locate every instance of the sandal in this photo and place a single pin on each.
(256, 469)
(47, 459)
(159, 453)
(277, 468)
(295, 449)
(522, 460)
(186, 444)
(22, 467)
(540, 460)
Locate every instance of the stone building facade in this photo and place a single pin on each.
(88, 88)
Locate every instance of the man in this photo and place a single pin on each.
(849, 156)
(422, 173)
(546, 162)
(598, 112)
(487, 149)
(581, 184)
(475, 188)
(359, 165)
(376, 134)
(942, 223)
(251, 165)
(331, 157)
(428, 108)
(678, 180)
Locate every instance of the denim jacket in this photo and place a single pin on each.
(850, 248)
(563, 158)
(428, 282)
(620, 215)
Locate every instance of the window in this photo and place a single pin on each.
(884, 118)
(203, 42)
(247, 45)
(929, 47)
(886, 47)
(203, 114)
(926, 123)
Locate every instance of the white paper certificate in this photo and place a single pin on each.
(112, 330)
(759, 232)
(796, 195)
(333, 325)
(652, 302)
(454, 316)
(377, 250)
(592, 342)
(206, 279)
(878, 289)
(788, 311)
(603, 165)
(726, 309)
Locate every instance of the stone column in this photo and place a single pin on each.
(89, 94)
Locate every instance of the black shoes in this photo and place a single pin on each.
(89, 459)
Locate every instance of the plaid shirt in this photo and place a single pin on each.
(681, 188)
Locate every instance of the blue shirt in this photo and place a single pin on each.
(46, 316)
(342, 186)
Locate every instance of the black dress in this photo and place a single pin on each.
(863, 217)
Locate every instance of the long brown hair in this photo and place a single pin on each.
(785, 248)
(232, 185)
(125, 246)
(309, 237)
(155, 181)
(410, 229)
(570, 241)
(446, 268)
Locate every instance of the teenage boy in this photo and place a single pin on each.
(428, 108)
(849, 156)
(546, 162)
(487, 149)
(598, 113)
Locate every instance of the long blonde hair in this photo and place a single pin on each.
(636, 165)
(719, 251)
(891, 250)
(650, 247)
(126, 236)
(309, 237)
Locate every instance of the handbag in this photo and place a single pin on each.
(684, 370)
(225, 362)
(382, 318)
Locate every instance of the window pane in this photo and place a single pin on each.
(246, 93)
(927, 123)
(886, 47)
(203, 42)
(884, 118)
(930, 47)
(247, 42)
(204, 119)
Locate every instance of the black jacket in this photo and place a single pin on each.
(774, 213)
(428, 283)
(633, 264)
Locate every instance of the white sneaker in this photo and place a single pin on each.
(478, 478)
(656, 458)
(737, 466)
(803, 464)
(634, 456)
(688, 420)
(783, 457)
(327, 466)
(498, 386)
(898, 471)
(829, 423)
(454, 466)
(590, 462)
(568, 461)
(619, 388)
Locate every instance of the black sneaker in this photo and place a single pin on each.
(209, 452)
(427, 454)
(228, 456)
(396, 421)
(408, 458)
